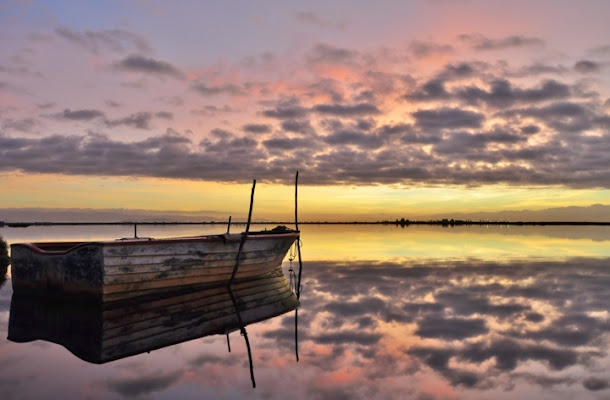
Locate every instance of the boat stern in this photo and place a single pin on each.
(78, 270)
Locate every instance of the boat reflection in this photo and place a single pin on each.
(3, 274)
(103, 332)
(4, 261)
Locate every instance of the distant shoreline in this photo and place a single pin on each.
(444, 223)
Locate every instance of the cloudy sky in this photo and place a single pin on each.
(389, 109)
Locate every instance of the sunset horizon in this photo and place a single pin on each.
(412, 109)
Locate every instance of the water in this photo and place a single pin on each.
(420, 312)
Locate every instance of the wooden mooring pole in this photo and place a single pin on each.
(298, 285)
(243, 236)
(296, 223)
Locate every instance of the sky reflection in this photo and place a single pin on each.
(460, 329)
(389, 242)
(447, 325)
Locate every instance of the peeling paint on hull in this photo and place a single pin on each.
(121, 269)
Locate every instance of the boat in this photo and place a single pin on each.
(104, 332)
(131, 267)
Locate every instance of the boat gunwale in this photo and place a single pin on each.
(72, 246)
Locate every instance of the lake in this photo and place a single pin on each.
(387, 312)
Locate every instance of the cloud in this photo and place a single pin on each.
(464, 143)
(287, 109)
(563, 331)
(586, 66)
(457, 136)
(80, 115)
(426, 49)
(433, 89)
(537, 69)
(480, 42)
(595, 384)
(303, 127)
(362, 109)
(325, 53)
(26, 125)
(448, 118)
(144, 384)
(468, 322)
(601, 50)
(164, 115)
(211, 359)
(257, 128)
(360, 307)
(286, 144)
(310, 18)
(462, 123)
(229, 88)
(102, 40)
(530, 129)
(169, 139)
(139, 120)
(458, 71)
(450, 328)
(344, 338)
(508, 353)
(503, 94)
(211, 110)
(146, 65)
(564, 117)
(347, 137)
(112, 103)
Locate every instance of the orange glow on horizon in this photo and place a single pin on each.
(275, 201)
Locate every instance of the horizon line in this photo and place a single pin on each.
(443, 222)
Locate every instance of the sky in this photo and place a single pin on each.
(387, 109)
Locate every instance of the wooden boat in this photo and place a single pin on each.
(125, 268)
(102, 332)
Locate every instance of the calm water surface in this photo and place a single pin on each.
(386, 312)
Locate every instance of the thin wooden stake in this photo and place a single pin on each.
(243, 236)
(296, 333)
(251, 204)
(296, 201)
(298, 285)
(296, 222)
(242, 329)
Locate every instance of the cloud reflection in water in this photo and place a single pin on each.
(475, 327)
(421, 329)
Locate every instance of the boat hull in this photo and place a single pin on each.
(103, 332)
(126, 268)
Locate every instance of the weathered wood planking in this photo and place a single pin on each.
(102, 332)
(120, 269)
